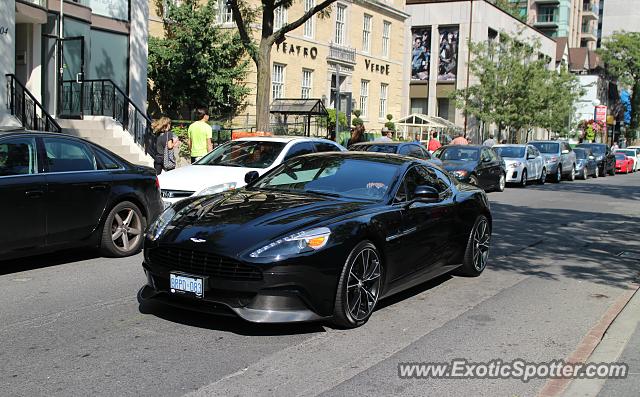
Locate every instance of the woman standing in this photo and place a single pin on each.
(357, 135)
(165, 142)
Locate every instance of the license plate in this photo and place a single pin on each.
(181, 284)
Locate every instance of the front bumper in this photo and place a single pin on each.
(514, 174)
(552, 168)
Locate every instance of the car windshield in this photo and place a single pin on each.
(249, 154)
(458, 153)
(597, 149)
(332, 176)
(547, 147)
(374, 148)
(627, 152)
(620, 156)
(581, 153)
(510, 152)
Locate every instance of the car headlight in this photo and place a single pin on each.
(552, 159)
(297, 243)
(158, 227)
(460, 173)
(515, 164)
(223, 187)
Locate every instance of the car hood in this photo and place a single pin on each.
(454, 165)
(509, 161)
(195, 178)
(233, 222)
(550, 155)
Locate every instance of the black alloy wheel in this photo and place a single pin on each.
(477, 252)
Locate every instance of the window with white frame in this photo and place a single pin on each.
(225, 15)
(277, 81)
(307, 83)
(279, 18)
(386, 37)
(366, 33)
(364, 98)
(384, 92)
(341, 22)
(309, 24)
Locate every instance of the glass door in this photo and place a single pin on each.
(71, 77)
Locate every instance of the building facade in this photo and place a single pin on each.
(620, 15)
(50, 45)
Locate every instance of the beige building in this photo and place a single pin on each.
(360, 49)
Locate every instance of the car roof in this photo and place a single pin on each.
(392, 158)
(547, 141)
(284, 138)
(382, 143)
(19, 132)
(511, 145)
(467, 146)
(592, 144)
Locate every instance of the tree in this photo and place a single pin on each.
(260, 49)
(357, 120)
(512, 8)
(621, 55)
(196, 63)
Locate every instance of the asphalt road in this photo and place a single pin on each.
(71, 325)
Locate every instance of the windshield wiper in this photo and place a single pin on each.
(323, 193)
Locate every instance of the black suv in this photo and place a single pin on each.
(605, 158)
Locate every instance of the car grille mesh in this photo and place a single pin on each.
(202, 263)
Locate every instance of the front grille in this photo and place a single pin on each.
(201, 263)
(166, 193)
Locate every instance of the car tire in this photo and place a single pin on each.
(584, 175)
(523, 178)
(572, 174)
(558, 176)
(543, 177)
(603, 173)
(477, 250)
(123, 231)
(502, 183)
(473, 180)
(361, 277)
(596, 174)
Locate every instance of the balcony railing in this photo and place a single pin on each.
(547, 18)
(39, 3)
(340, 53)
(588, 7)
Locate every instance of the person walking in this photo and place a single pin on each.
(357, 135)
(615, 146)
(460, 139)
(434, 143)
(490, 141)
(164, 158)
(387, 135)
(200, 135)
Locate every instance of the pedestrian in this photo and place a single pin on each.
(200, 135)
(417, 140)
(387, 135)
(489, 142)
(164, 158)
(357, 135)
(615, 146)
(460, 139)
(434, 143)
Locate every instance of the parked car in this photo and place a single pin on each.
(410, 149)
(523, 163)
(633, 155)
(624, 163)
(604, 157)
(226, 166)
(560, 160)
(586, 164)
(474, 164)
(323, 236)
(60, 191)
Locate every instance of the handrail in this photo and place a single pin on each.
(103, 97)
(20, 109)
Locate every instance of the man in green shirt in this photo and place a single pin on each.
(200, 135)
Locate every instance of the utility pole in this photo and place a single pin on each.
(337, 100)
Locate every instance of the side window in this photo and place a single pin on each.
(299, 149)
(18, 156)
(485, 156)
(404, 150)
(530, 152)
(493, 155)
(443, 182)
(416, 151)
(326, 147)
(65, 155)
(415, 177)
(426, 155)
(107, 162)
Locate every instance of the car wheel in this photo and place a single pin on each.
(477, 251)
(473, 180)
(359, 286)
(523, 179)
(558, 176)
(543, 177)
(502, 183)
(597, 173)
(584, 173)
(572, 174)
(602, 173)
(123, 230)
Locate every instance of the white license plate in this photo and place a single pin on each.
(180, 284)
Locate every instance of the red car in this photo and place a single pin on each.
(624, 163)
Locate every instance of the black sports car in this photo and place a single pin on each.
(59, 191)
(321, 236)
(474, 164)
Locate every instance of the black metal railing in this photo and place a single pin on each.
(103, 97)
(26, 108)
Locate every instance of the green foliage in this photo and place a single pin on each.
(342, 119)
(390, 124)
(516, 91)
(621, 55)
(180, 131)
(512, 8)
(197, 63)
(356, 121)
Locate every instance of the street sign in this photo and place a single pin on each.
(601, 113)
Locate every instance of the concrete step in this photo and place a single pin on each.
(94, 124)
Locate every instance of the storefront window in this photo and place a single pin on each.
(116, 9)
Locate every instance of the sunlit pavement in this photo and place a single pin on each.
(71, 324)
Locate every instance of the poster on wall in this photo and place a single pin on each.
(420, 53)
(448, 54)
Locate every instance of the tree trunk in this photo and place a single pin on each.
(635, 106)
(263, 88)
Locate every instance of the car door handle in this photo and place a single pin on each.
(34, 193)
(98, 187)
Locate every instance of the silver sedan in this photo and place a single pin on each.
(523, 163)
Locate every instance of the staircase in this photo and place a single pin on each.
(108, 133)
(26, 109)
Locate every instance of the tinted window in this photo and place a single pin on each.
(597, 149)
(628, 152)
(420, 176)
(375, 148)
(326, 147)
(415, 151)
(458, 153)
(66, 155)
(620, 156)
(299, 149)
(250, 154)
(510, 152)
(547, 147)
(18, 156)
(581, 153)
(106, 161)
(485, 155)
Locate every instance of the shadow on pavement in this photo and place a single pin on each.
(599, 186)
(47, 260)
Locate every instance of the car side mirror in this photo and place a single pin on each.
(251, 176)
(531, 157)
(486, 160)
(565, 151)
(591, 158)
(426, 194)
